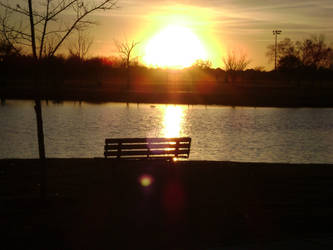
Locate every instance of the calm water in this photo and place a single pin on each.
(302, 135)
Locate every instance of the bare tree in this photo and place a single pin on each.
(315, 52)
(125, 50)
(7, 49)
(330, 60)
(40, 29)
(202, 64)
(236, 61)
(80, 45)
(7, 37)
(312, 52)
(259, 68)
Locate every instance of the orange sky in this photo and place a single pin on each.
(221, 26)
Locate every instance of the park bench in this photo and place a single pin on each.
(149, 148)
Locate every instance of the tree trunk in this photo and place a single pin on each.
(41, 147)
(38, 108)
(128, 79)
(32, 30)
(40, 133)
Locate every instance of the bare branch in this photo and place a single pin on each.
(44, 28)
(125, 50)
(23, 43)
(202, 64)
(18, 9)
(10, 36)
(42, 14)
(105, 5)
(12, 30)
(236, 62)
(63, 7)
(55, 31)
(80, 47)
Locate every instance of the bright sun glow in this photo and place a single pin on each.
(175, 47)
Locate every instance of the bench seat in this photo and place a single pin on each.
(151, 148)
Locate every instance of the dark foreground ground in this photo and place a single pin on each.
(100, 204)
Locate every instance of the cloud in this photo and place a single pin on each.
(233, 16)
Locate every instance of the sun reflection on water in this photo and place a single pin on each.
(173, 121)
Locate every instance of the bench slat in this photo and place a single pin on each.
(145, 146)
(150, 140)
(154, 152)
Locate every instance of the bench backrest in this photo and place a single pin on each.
(147, 147)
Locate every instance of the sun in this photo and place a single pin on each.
(174, 46)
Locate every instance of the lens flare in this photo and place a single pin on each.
(146, 180)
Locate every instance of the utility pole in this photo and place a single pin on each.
(276, 33)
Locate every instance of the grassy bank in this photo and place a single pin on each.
(101, 204)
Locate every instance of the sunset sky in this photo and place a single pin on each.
(220, 25)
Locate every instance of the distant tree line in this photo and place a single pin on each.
(311, 54)
(309, 60)
(74, 71)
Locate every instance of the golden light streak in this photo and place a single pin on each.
(173, 121)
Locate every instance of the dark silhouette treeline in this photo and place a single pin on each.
(309, 60)
(304, 77)
(58, 71)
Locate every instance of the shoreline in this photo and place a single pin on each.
(227, 96)
(180, 162)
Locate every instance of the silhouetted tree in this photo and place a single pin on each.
(284, 48)
(202, 64)
(236, 61)
(125, 49)
(292, 66)
(80, 45)
(7, 37)
(330, 60)
(6, 49)
(233, 63)
(44, 39)
(315, 53)
(289, 63)
(306, 60)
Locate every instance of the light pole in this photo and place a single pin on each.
(276, 33)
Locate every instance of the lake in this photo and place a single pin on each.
(246, 134)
